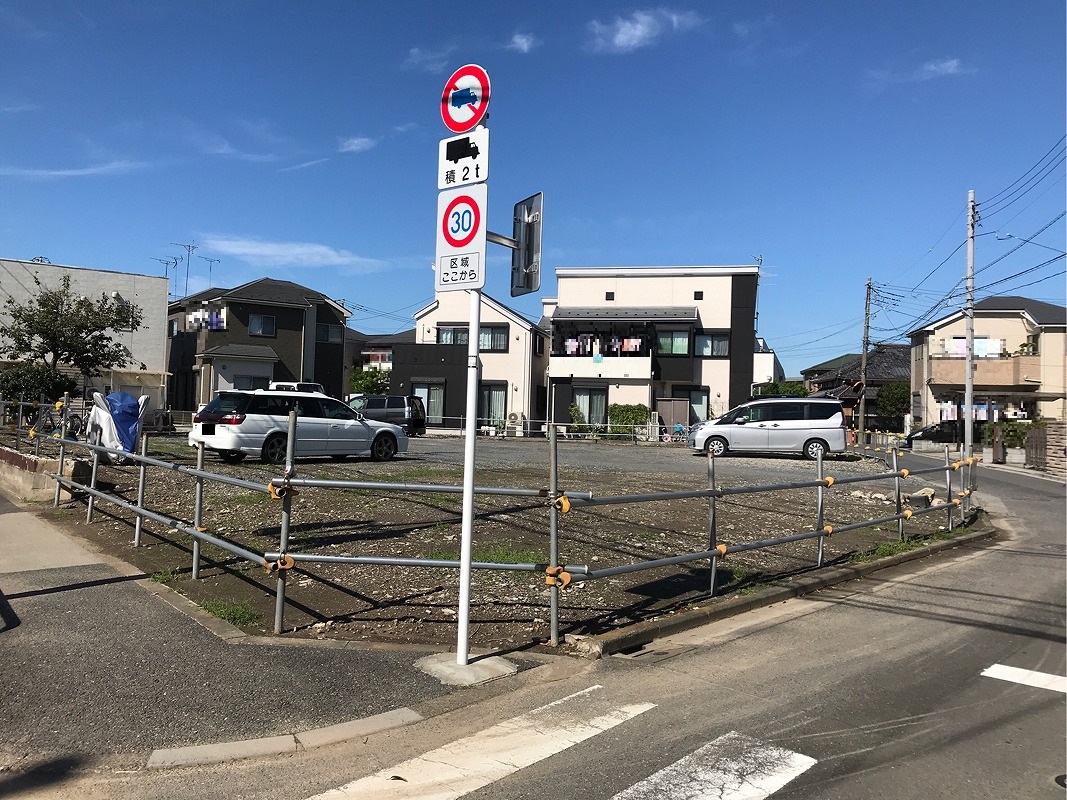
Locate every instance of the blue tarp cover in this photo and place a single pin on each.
(126, 413)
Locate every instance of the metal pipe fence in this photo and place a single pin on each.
(557, 503)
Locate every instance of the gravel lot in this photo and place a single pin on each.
(509, 609)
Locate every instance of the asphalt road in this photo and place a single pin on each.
(872, 689)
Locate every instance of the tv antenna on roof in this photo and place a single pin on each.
(210, 263)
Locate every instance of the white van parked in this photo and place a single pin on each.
(812, 426)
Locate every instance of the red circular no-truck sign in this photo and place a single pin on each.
(461, 221)
(465, 99)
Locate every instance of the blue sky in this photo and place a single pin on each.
(299, 140)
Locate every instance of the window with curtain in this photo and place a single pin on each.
(492, 402)
(672, 343)
(713, 345)
(593, 405)
(491, 338)
(433, 398)
(260, 325)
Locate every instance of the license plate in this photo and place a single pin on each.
(208, 429)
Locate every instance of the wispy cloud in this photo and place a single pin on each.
(640, 29)
(305, 165)
(262, 253)
(214, 144)
(20, 108)
(356, 144)
(110, 168)
(427, 60)
(522, 42)
(927, 71)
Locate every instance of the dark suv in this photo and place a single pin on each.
(406, 411)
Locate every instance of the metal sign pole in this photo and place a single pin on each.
(466, 545)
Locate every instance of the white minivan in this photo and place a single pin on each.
(809, 425)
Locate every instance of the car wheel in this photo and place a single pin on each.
(274, 449)
(815, 448)
(232, 456)
(715, 446)
(384, 448)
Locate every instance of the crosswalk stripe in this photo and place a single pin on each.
(451, 771)
(732, 767)
(1040, 680)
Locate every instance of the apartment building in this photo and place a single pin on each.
(667, 337)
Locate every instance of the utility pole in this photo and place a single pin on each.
(189, 248)
(863, 364)
(968, 313)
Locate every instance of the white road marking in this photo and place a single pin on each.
(1041, 680)
(733, 767)
(451, 771)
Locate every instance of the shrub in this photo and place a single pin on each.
(623, 419)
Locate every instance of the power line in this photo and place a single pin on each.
(1054, 147)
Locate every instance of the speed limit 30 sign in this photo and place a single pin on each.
(461, 239)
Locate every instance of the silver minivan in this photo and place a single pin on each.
(808, 425)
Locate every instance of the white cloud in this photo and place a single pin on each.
(937, 69)
(523, 42)
(356, 144)
(20, 108)
(305, 165)
(290, 254)
(931, 70)
(427, 61)
(110, 168)
(641, 29)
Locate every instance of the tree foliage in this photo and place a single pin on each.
(59, 328)
(782, 389)
(894, 399)
(370, 381)
(30, 381)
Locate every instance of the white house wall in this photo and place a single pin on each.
(147, 345)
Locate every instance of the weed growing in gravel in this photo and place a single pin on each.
(164, 576)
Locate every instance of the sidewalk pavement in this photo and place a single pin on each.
(102, 665)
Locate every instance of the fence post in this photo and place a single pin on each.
(92, 484)
(59, 473)
(948, 486)
(141, 476)
(18, 429)
(283, 536)
(820, 508)
(899, 501)
(198, 504)
(713, 531)
(553, 533)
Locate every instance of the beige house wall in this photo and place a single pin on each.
(519, 367)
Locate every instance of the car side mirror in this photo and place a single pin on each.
(741, 420)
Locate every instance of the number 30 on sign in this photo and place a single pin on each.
(461, 238)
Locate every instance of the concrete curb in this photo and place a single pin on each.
(636, 636)
(277, 745)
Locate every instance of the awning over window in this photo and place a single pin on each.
(684, 314)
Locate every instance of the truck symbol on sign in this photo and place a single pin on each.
(463, 97)
(459, 149)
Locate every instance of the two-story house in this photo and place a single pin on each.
(244, 338)
(146, 345)
(659, 336)
(1020, 362)
(843, 379)
(513, 356)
